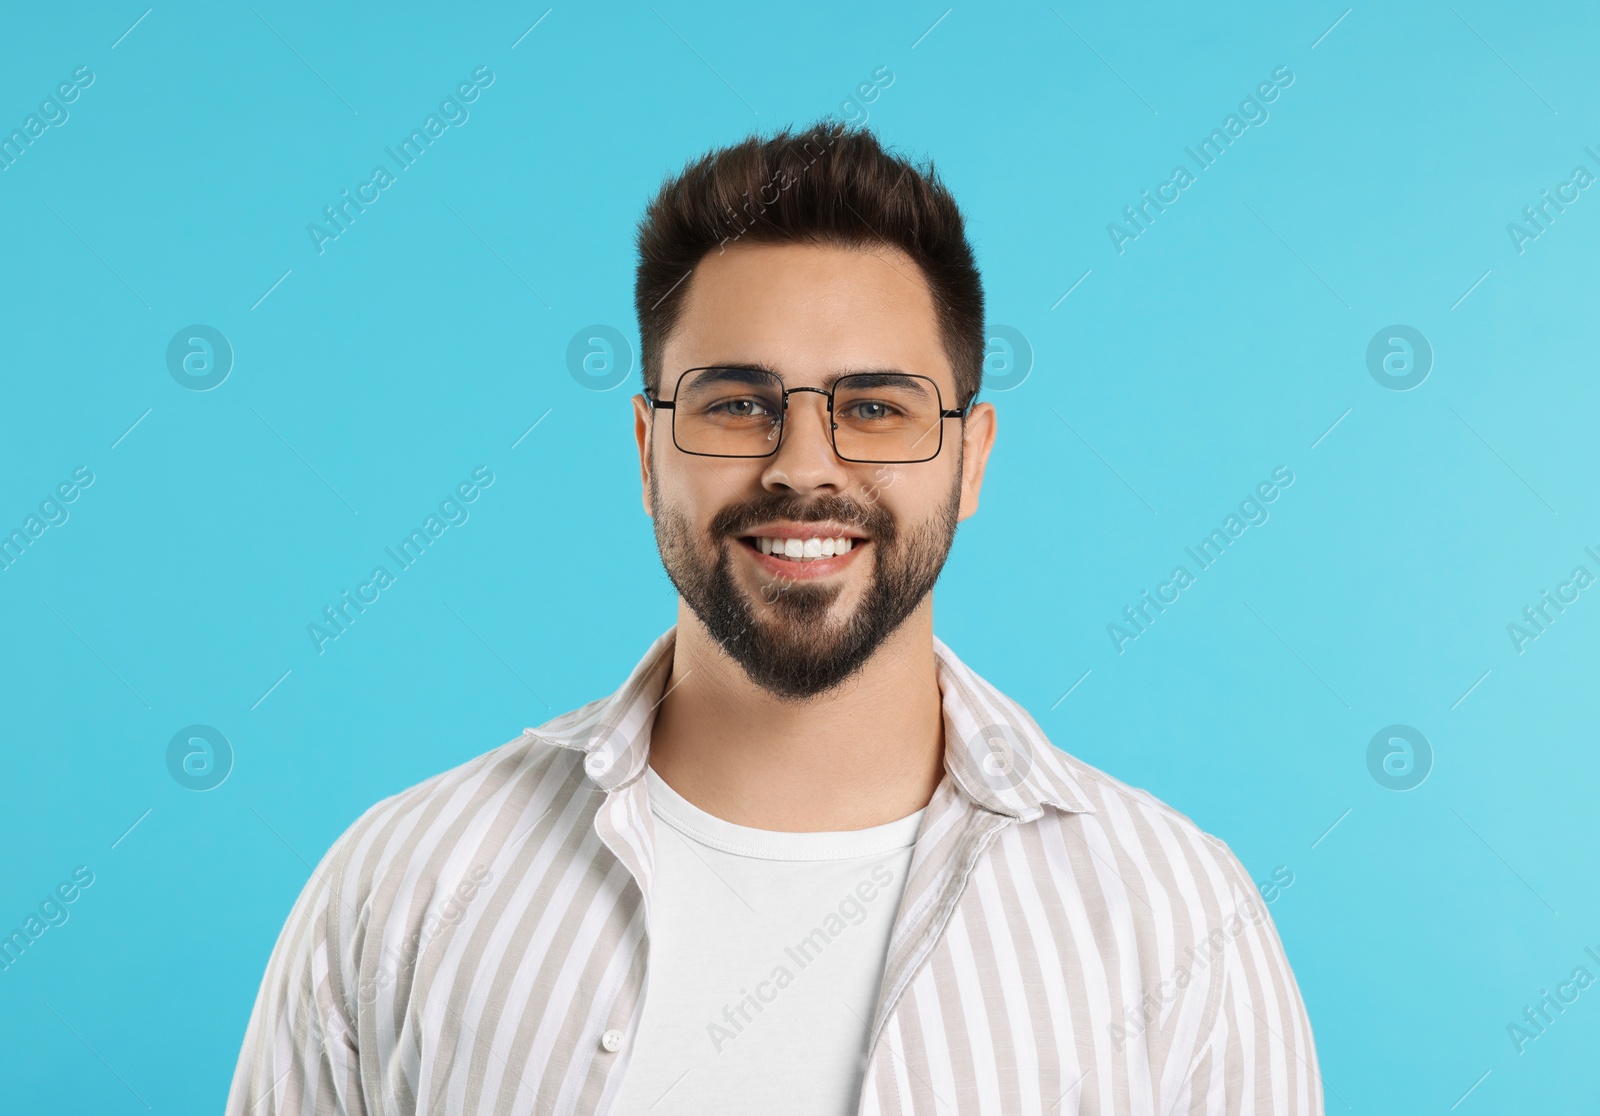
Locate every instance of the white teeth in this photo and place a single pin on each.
(804, 549)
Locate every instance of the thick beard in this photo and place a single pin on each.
(794, 653)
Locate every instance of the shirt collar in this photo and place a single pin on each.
(997, 756)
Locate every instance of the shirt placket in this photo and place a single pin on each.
(925, 912)
(623, 824)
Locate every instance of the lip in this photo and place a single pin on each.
(828, 529)
(802, 571)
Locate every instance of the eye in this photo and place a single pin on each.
(741, 408)
(870, 409)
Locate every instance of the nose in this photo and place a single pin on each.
(805, 460)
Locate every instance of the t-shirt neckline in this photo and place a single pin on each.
(771, 844)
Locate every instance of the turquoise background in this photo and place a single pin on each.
(1223, 342)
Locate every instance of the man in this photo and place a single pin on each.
(804, 860)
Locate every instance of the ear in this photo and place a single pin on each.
(977, 439)
(643, 421)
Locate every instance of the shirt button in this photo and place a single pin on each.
(612, 1041)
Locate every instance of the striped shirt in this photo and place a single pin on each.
(478, 944)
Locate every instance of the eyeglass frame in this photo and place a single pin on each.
(833, 427)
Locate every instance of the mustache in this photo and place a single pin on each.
(738, 519)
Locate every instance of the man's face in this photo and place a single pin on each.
(798, 628)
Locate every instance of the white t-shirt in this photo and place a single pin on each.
(766, 952)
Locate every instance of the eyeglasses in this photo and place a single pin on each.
(878, 417)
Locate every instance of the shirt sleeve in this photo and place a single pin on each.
(300, 1056)
(1258, 1055)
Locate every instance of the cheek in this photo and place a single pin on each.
(912, 503)
(925, 492)
(695, 494)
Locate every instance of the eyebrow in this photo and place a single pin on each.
(890, 378)
(885, 375)
(733, 371)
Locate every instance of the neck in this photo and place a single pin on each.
(867, 753)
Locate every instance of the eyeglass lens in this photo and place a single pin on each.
(738, 412)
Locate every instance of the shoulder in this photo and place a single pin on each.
(1004, 760)
(433, 834)
(1092, 822)
(410, 867)
(1159, 855)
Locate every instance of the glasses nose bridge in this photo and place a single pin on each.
(826, 405)
(824, 392)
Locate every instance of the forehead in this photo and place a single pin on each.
(807, 311)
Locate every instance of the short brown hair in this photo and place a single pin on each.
(829, 184)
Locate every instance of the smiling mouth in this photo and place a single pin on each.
(802, 550)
